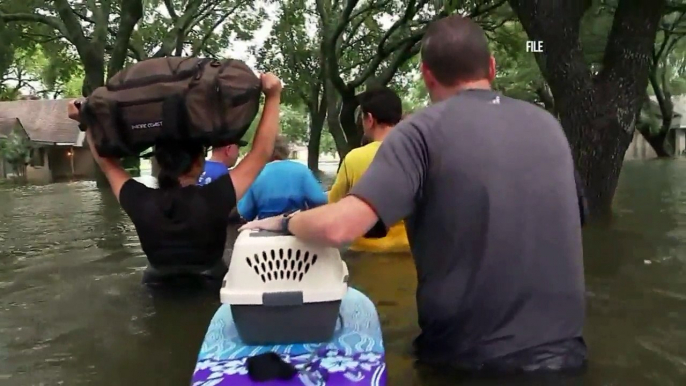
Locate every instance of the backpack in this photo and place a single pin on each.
(172, 98)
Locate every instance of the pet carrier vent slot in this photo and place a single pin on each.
(282, 264)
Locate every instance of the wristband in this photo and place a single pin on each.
(285, 221)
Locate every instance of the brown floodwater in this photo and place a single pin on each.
(73, 312)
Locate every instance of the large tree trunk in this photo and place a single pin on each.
(341, 120)
(599, 112)
(317, 120)
(336, 130)
(353, 132)
(333, 108)
(317, 109)
(664, 102)
(656, 141)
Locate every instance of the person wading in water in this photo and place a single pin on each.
(182, 227)
(486, 185)
(380, 110)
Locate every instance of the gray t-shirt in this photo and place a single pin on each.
(486, 186)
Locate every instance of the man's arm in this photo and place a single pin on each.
(387, 191)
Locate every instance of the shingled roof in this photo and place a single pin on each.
(44, 120)
(7, 125)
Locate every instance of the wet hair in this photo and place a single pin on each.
(175, 159)
(383, 104)
(455, 49)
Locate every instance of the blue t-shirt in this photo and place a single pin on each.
(212, 171)
(281, 187)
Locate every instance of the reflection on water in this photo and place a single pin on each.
(72, 311)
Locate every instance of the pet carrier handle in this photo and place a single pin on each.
(266, 233)
(285, 298)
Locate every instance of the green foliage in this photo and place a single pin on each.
(294, 126)
(292, 51)
(196, 27)
(667, 75)
(517, 73)
(16, 149)
(47, 76)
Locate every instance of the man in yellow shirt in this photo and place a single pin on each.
(380, 110)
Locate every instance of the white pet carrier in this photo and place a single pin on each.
(282, 290)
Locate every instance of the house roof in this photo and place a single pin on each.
(7, 125)
(44, 120)
(679, 102)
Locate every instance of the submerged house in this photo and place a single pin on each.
(59, 151)
(676, 137)
(678, 129)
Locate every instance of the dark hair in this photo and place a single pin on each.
(383, 104)
(455, 49)
(175, 159)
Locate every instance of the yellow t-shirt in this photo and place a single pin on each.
(352, 168)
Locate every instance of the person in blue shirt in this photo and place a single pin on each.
(222, 159)
(283, 186)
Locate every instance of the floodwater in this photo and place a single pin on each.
(73, 312)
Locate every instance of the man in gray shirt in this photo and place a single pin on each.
(486, 185)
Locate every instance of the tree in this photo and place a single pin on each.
(93, 28)
(47, 76)
(518, 75)
(666, 73)
(16, 150)
(292, 52)
(598, 107)
(103, 33)
(360, 51)
(98, 31)
(12, 43)
(195, 27)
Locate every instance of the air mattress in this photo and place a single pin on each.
(354, 357)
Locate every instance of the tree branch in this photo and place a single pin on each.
(50, 21)
(170, 39)
(101, 15)
(343, 20)
(170, 10)
(42, 38)
(407, 53)
(403, 45)
(136, 52)
(73, 30)
(131, 13)
(216, 25)
(328, 48)
(410, 12)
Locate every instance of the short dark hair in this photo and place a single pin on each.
(455, 49)
(383, 104)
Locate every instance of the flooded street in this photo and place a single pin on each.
(73, 312)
